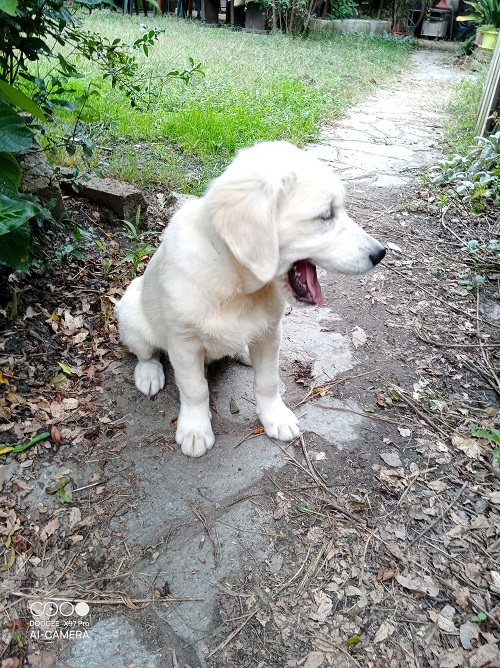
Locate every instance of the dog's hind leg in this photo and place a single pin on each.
(135, 334)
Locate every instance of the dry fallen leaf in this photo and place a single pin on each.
(452, 658)
(324, 608)
(421, 584)
(494, 497)
(43, 660)
(469, 632)
(50, 528)
(314, 660)
(469, 446)
(385, 631)
(358, 337)
(461, 596)
(495, 581)
(437, 485)
(444, 619)
(485, 656)
(474, 573)
(391, 459)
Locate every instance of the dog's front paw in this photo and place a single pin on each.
(278, 420)
(194, 433)
(149, 377)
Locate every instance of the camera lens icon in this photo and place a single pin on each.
(49, 609)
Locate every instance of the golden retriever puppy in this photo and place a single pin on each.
(227, 265)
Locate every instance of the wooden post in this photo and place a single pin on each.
(490, 99)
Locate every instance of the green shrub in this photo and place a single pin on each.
(476, 175)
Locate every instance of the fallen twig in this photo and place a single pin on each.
(212, 533)
(123, 600)
(371, 416)
(420, 413)
(440, 299)
(483, 374)
(330, 383)
(489, 366)
(426, 339)
(438, 519)
(311, 471)
(234, 633)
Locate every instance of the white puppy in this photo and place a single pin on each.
(226, 267)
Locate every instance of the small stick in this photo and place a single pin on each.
(489, 366)
(233, 634)
(174, 659)
(321, 482)
(212, 533)
(366, 415)
(483, 374)
(331, 383)
(421, 414)
(434, 296)
(438, 519)
(426, 339)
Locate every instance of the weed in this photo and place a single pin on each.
(474, 176)
(471, 281)
(74, 247)
(140, 247)
(480, 617)
(491, 435)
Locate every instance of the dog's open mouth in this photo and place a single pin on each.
(304, 283)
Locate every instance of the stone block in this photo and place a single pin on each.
(39, 178)
(121, 198)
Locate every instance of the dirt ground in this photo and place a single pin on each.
(372, 540)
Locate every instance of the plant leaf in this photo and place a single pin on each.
(10, 170)
(14, 248)
(15, 135)
(22, 447)
(20, 100)
(8, 6)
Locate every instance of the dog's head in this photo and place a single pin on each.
(281, 212)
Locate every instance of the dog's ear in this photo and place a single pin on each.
(243, 211)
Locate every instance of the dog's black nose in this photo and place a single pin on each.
(378, 256)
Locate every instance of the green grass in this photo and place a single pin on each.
(256, 87)
(462, 112)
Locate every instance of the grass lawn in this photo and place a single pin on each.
(256, 87)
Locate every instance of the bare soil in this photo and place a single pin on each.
(386, 554)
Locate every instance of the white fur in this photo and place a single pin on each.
(216, 286)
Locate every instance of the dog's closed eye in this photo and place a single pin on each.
(327, 215)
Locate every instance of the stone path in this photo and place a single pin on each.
(386, 138)
(381, 144)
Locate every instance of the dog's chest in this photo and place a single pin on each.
(228, 329)
(223, 335)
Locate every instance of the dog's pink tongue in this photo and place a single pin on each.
(308, 274)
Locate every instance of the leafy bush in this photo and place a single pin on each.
(485, 12)
(475, 176)
(50, 29)
(343, 9)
